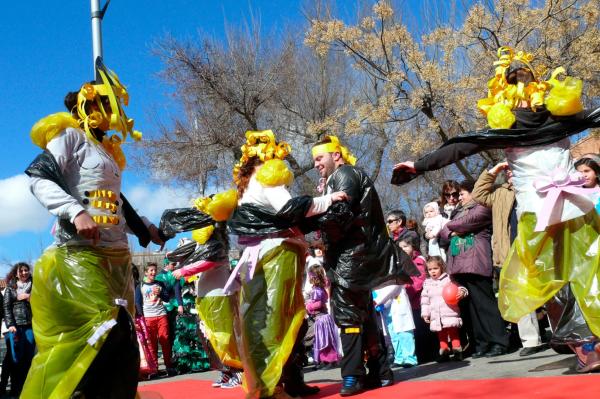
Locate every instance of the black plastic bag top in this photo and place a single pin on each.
(178, 220)
(531, 129)
(360, 254)
(182, 252)
(215, 249)
(45, 166)
(257, 221)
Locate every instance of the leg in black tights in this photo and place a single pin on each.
(114, 371)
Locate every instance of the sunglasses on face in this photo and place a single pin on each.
(390, 221)
(453, 195)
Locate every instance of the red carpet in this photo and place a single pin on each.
(565, 387)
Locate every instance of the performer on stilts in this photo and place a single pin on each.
(556, 250)
(82, 301)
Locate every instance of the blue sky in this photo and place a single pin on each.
(45, 51)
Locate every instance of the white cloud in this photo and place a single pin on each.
(151, 201)
(21, 211)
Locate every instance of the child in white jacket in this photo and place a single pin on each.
(393, 304)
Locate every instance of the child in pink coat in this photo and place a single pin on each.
(441, 317)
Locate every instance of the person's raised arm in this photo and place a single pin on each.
(443, 156)
(483, 191)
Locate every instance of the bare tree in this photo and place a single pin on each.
(429, 84)
(247, 83)
(393, 84)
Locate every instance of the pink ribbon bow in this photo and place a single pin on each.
(248, 261)
(554, 185)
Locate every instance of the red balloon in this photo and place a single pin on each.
(450, 294)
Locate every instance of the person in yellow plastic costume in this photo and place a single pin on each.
(269, 275)
(555, 253)
(83, 297)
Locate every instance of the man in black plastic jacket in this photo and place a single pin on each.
(359, 257)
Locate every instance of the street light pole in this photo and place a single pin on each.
(97, 15)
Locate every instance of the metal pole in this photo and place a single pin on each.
(97, 15)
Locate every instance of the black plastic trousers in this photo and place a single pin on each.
(114, 372)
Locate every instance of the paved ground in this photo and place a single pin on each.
(546, 363)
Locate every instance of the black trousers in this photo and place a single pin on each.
(487, 325)
(292, 374)
(568, 324)
(426, 342)
(365, 338)
(114, 372)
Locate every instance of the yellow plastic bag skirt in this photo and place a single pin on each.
(541, 263)
(73, 294)
(270, 313)
(217, 313)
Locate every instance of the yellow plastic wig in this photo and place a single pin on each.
(564, 97)
(219, 207)
(263, 145)
(108, 113)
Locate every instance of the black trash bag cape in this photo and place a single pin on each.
(531, 129)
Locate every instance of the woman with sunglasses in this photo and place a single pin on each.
(469, 253)
(396, 224)
(449, 197)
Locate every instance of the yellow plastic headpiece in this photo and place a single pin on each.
(219, 207)
(334, 146)
(504, 97)
(263, 145)
(109, 96)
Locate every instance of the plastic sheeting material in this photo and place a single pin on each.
(539, 264)
(217, 313)
(255, 220)
(271, 312)
(73, 295)
(177, 220)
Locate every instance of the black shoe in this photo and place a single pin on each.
(533, 350)
(171, 371)
(479, 353)
(387, 382)
(301, 389)
(457, 354)
(327, 366)
(496, 350)
(443, 357)
(351, 386)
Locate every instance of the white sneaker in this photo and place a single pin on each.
(224, 378)
(234, 382)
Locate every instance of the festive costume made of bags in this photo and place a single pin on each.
(360, 256)
(207, 259)
(557, 242)
(270, 308)
(83, 297)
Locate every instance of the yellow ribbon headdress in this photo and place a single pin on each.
(334, 146)
(504, 97)
(260, 144)
(114, 118)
